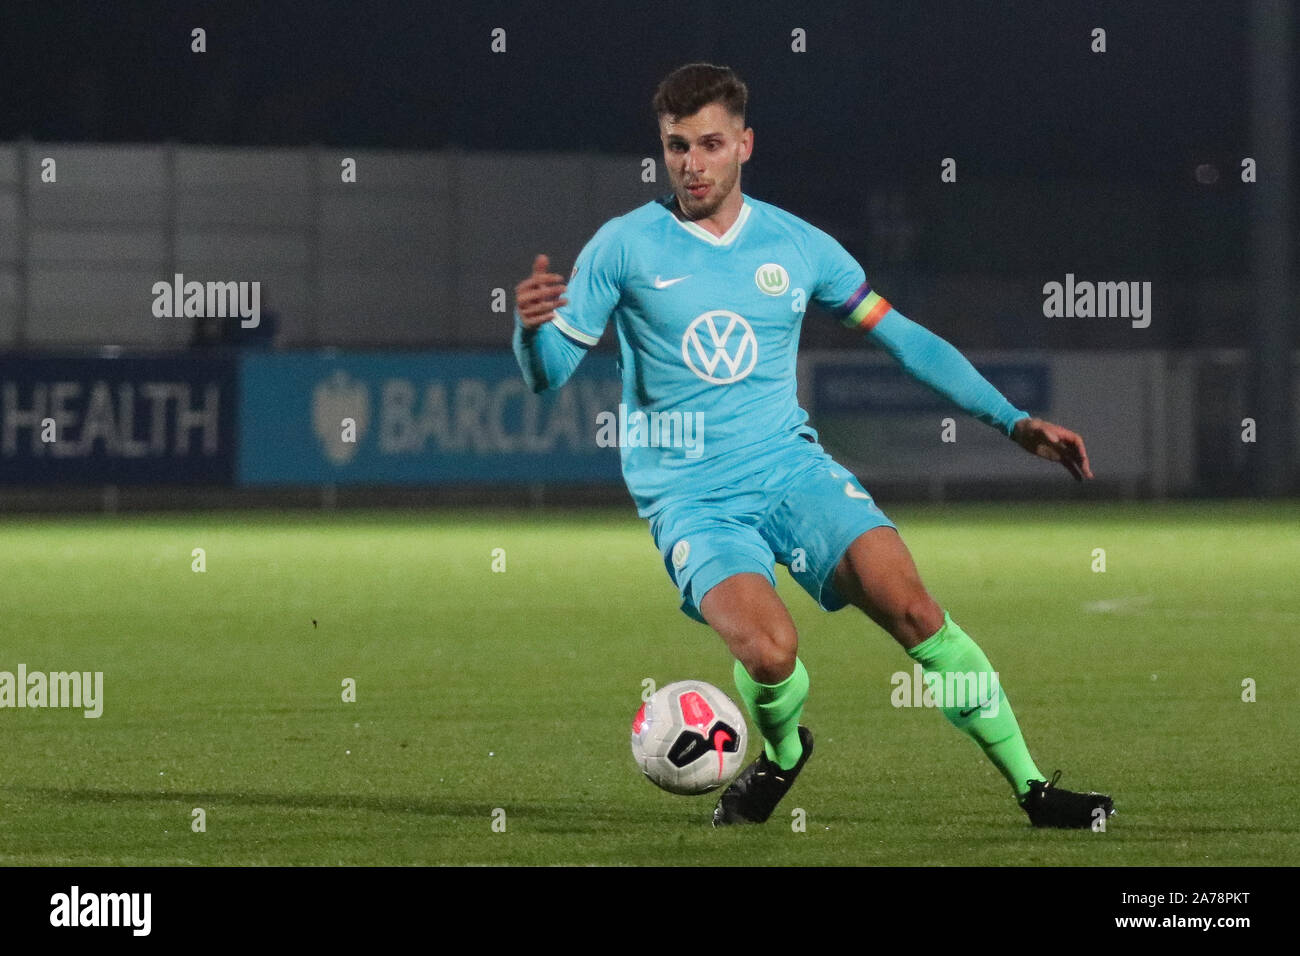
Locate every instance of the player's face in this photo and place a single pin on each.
(703, 153)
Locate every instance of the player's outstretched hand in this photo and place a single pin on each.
(538, 296)
(1053, 443)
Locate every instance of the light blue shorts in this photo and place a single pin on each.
(803, 513)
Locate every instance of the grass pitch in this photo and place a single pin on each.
(479, 691)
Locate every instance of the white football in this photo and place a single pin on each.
(689, 738)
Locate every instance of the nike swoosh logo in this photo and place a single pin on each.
(665, 283)
(854, 493)
(967, 713)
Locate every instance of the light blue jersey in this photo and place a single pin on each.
(708, 330)
(716, 451)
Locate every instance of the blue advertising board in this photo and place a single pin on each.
(117, 420)
(878, 420)
(885, 389)
(418, 418)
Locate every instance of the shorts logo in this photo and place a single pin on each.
(704, 347)
(681, 553)
(772, 279)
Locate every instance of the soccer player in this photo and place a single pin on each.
(701, 285)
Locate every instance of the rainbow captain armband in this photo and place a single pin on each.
(863, 309)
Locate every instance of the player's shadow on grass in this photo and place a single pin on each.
(563, 815)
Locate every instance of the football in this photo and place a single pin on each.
(689, 738)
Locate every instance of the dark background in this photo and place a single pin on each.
(1010, 87)
(1068, 161)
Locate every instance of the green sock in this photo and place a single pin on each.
(776, 709)
(951, 651)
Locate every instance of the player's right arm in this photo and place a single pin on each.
(553, 333)
(537, 297)
(545, 356)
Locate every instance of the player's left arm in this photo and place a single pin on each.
(1054, 443)
(935, 362)
(843, 288)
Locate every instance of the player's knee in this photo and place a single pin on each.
(915, 618)
(771, 653)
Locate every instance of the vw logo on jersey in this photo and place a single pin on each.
(720, 338)
(772, 278)
(681, 553)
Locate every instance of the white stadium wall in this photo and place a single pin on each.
(408, 253)
(411, 252)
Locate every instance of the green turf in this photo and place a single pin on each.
(479, 690)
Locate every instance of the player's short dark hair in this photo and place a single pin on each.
(688, 89)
